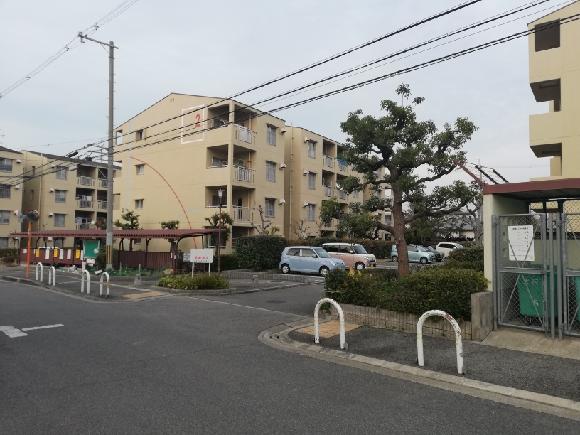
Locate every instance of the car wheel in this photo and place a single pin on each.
(285, 269)
(359, 266)
(323, 271)
(395, 259)
(423, 260)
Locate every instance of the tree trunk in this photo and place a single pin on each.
(399, 231)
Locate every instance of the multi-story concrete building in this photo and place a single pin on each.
(69, 193)
(555, 78)
(11, 167)
(176, 170)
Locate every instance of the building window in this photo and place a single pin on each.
(139, 169)
(59, 220)
(271, 172)
(119, 137)
(6, 165)
(60, 196)
(270, 207)
(271, 133)
(4, 190)
(547, 35)
(216, 162)
(311, 149)
(312, 180)
(4, 217)
(139, 203)
(139, 134)
(61, 172)
(311, 212)
(3, 242)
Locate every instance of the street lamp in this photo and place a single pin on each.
(220, 194)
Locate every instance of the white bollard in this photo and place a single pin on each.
(52, 276)
(456, 329)
(101, 283)
(41, 271)
(340, 318)
(85, 273)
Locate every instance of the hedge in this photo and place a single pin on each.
(9, 255)
(259, 252)
(228, 262)
(380, 248)
(467, 258)
(200, 281)
(432, 288)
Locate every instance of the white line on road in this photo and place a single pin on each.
(58, 325)
(12, 332)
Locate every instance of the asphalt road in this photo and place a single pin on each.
(184, 365)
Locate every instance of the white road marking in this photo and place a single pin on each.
(58, 325)
(12, 332)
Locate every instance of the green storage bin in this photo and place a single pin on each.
(531, 294)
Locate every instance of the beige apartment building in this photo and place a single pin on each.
(69, 193)
(555, 78)
(11, 168)
(176, 170)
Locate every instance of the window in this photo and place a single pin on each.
(311, 149)
(61, 172)
(6, 165)
(59, 220)
(311, 212)
(119, 137)
(308, 253)
(139, 169)
(139, 134)
(60, 196)
(216, 162)
(271, 171)
(139, 203)
(3, 242)
(4, 217)
(294, 252)
(312, 180)
(270, 207)
(4, 190)
(547, 35)
(271, 133)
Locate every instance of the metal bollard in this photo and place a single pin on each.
(340, 318)
(52, 276)
(101, 283)
(88, 281)
(41, 271)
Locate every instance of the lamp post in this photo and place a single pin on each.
(220, 194)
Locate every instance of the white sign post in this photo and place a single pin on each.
(521, 243)
(201, 256)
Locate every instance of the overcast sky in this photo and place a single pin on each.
(218, 48)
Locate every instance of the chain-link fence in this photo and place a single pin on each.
(571, 296)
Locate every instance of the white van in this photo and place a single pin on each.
(445, 248)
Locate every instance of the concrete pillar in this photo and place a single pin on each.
(481, 315)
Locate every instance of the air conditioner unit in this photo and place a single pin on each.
(51, 190)
(50, 214)
(282, 165)
(16, 212)
(17, 187)
(306, 172)
(282, 201)
(306, 203)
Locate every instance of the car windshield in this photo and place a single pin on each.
(359, 249)
(321, 253)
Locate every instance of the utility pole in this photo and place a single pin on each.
(110, 149)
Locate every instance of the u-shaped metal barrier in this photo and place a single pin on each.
(85, 273)
(52, 276)
(101, 280)
(340, 318)
(456, 329)
(41, 271)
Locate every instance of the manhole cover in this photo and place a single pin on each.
(275, 301)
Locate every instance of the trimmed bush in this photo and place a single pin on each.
(9, 255)
(429, 289)
(467, 258)
(195, 282)
(259, 252)
(228, 262)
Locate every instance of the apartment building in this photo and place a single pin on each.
(69, 193)
(178, 169)
(554, 66)
(11, 167)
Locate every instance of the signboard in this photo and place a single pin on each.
(521, 243)
(201, 255)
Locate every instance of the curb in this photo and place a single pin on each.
(225, 292)
(277, 337)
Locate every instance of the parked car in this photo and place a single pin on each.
(438, 255)
(308, 259)
(417, 254)
(445, 248)
(354, 255)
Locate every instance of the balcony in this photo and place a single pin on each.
(85, 181)
(102, 204)
(241, 214)
(546, 134)
(342, 195)
(244, 175)
(342, 165)
(84, 203)
(243, 134)
(103, 183)
(328, 191)
(328, 162)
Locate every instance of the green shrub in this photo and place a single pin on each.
(467, 258)
(228, 262)
(9, 255)
(188, 282)
(429, 289)
(259, 252)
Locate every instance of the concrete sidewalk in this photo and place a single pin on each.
(559, 377)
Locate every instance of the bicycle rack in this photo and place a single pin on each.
(41, 271)
(340, 317)
(52, 276)
(86, 273)
(101, 283)
(456, 329)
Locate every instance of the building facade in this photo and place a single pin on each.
(11, 168)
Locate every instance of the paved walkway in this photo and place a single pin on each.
(522, 370)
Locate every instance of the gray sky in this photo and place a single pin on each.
(218, 48)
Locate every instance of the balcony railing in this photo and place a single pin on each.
(83, 226)
(328, 162)
(342, 165)
(103, 182)
(244, 134)
(102, 204)
(84, 203)
(328, 191)
(245, 175)
(242, 214)
(85, 181)
(342, 194)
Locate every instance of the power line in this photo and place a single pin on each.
(111, 15)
